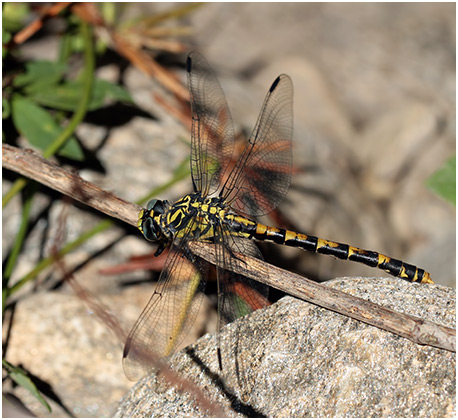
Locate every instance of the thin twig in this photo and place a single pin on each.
(37, 24)
(418, 330)
(415, 329)
(32, 165)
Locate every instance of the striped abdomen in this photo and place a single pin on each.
(395, 267)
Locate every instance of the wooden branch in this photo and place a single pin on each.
(32, 165)
(418, 330)
(415, 329)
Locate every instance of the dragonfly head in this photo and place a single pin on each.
(148, 221)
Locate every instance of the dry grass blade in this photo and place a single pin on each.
(33, 27)
(417, 330)
(149, 66)
(129, 44)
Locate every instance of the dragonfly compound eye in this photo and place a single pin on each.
(149, 229)
(151, 204)
(157, 206)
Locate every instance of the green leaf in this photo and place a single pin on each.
(14, 15)
(113, 91)
(39, 127)
(443, 181)
(67, 96)
(19, 376)
(6, 37)
(6, 109)
(40, 75)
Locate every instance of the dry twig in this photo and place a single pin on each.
(415, 329)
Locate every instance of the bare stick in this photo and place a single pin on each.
(415, 329)
(32, 165)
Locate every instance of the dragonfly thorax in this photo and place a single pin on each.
(192, 215)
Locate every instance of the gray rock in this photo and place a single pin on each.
(75, 357)
(299, 360)
(72, 354)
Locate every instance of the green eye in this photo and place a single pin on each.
(149, 230)
(151, 204)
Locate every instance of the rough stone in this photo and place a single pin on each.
(299, 360)
(72, 355)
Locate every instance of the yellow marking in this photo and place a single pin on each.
(427, 278)
(272, 229)
(204, 208)
(324, 242)
(383, 259)
(242, 220)
(403, 274)
(241, 234)
(353, 250)
(261, 229)
(300, 236)
(140, 217)
(289, 235)
(212, 210)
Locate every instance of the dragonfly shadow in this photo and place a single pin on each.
(236, 404)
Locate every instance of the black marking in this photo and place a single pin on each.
(274, 84)
(237, 226)
(339, 251)
(310, 244)
(369, 258)
(250, 229)
(188, 64)
(392, 266)
(410, 270)
(177, 219)
(420, 275)
(277, 237)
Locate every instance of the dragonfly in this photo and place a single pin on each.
(227, 196)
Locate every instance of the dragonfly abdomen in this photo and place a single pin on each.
(261, 232)
(346, 252)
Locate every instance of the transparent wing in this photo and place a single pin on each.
(237, 296)
(240, 295)
(262, 175)
(169, 314)
(212, 135)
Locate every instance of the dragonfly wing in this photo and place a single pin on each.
(241, 295)
(238, 296)
(262, 175)
(212, 134)
(169, 314)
